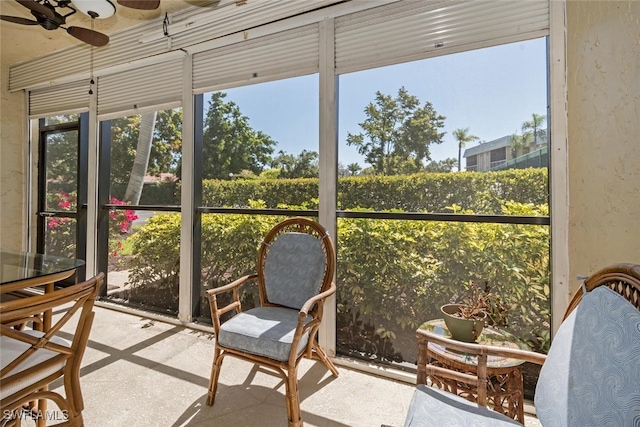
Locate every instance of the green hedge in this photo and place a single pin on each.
(301, 192)
(158, 193)
(483, 193)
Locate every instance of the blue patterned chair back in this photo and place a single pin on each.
(294, 269)
(592, 372)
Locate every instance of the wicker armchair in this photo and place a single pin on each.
(33, 359)
(296, 264)
(591, 375)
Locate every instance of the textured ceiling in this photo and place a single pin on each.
(19, 43)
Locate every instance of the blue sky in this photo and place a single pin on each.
(491, 91)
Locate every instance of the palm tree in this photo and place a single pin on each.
(462, 136)
(533, 127)
(141, 161)
(353, 169)
(518, 143)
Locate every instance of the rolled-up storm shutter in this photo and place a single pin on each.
(141, 89)
(60, 99)
(285, 54)
(411, 30)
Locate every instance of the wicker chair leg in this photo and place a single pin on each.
(72, 380)
(74, 392)
(293, 398)
(325, 359)
(215, 373)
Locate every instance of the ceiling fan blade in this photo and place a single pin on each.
(18, 20)
(89, 36)
(140, 4)
(37, 7)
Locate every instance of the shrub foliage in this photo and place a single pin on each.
(392, 274)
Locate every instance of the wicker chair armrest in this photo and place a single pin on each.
(303, 325)
(479, 349)
(230, 286)
(451, 374)
(212, 294)
(319, 298)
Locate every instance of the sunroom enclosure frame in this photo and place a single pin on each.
(45, 87)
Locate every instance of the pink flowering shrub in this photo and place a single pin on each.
(61, 231)
(66, 201)
(121, 220)
(119, 224)
(61, 236)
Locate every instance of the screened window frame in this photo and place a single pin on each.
(557, 124)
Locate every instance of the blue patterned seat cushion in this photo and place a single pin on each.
(592, 373)
(294, 269)
(432, 407)
(265, 331)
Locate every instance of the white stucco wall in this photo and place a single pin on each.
(603, 61)
(12, 165)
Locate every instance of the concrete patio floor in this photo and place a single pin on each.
(142, 372)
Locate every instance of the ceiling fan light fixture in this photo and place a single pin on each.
(101, 9)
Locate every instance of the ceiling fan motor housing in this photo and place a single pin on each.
(49, 23)
(100, 9)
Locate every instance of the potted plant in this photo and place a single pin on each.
(466, 319)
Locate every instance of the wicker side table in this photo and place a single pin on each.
(504, 374)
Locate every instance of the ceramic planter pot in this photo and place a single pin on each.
(467, 330)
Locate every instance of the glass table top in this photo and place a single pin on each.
(16, 266)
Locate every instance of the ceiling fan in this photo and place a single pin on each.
(47, 16)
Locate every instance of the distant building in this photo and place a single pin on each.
(498, 154)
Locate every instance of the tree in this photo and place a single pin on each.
(342, 170)
(404, 166)
(305, 165)
(463, 137)
(61, 164)
(531, 132)
(165, 150)
(445, 165)
(518, 143)
(230, 144)
(533, 127)
(353, 168)
(61, 154)
(397, 129)
(141, 160)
